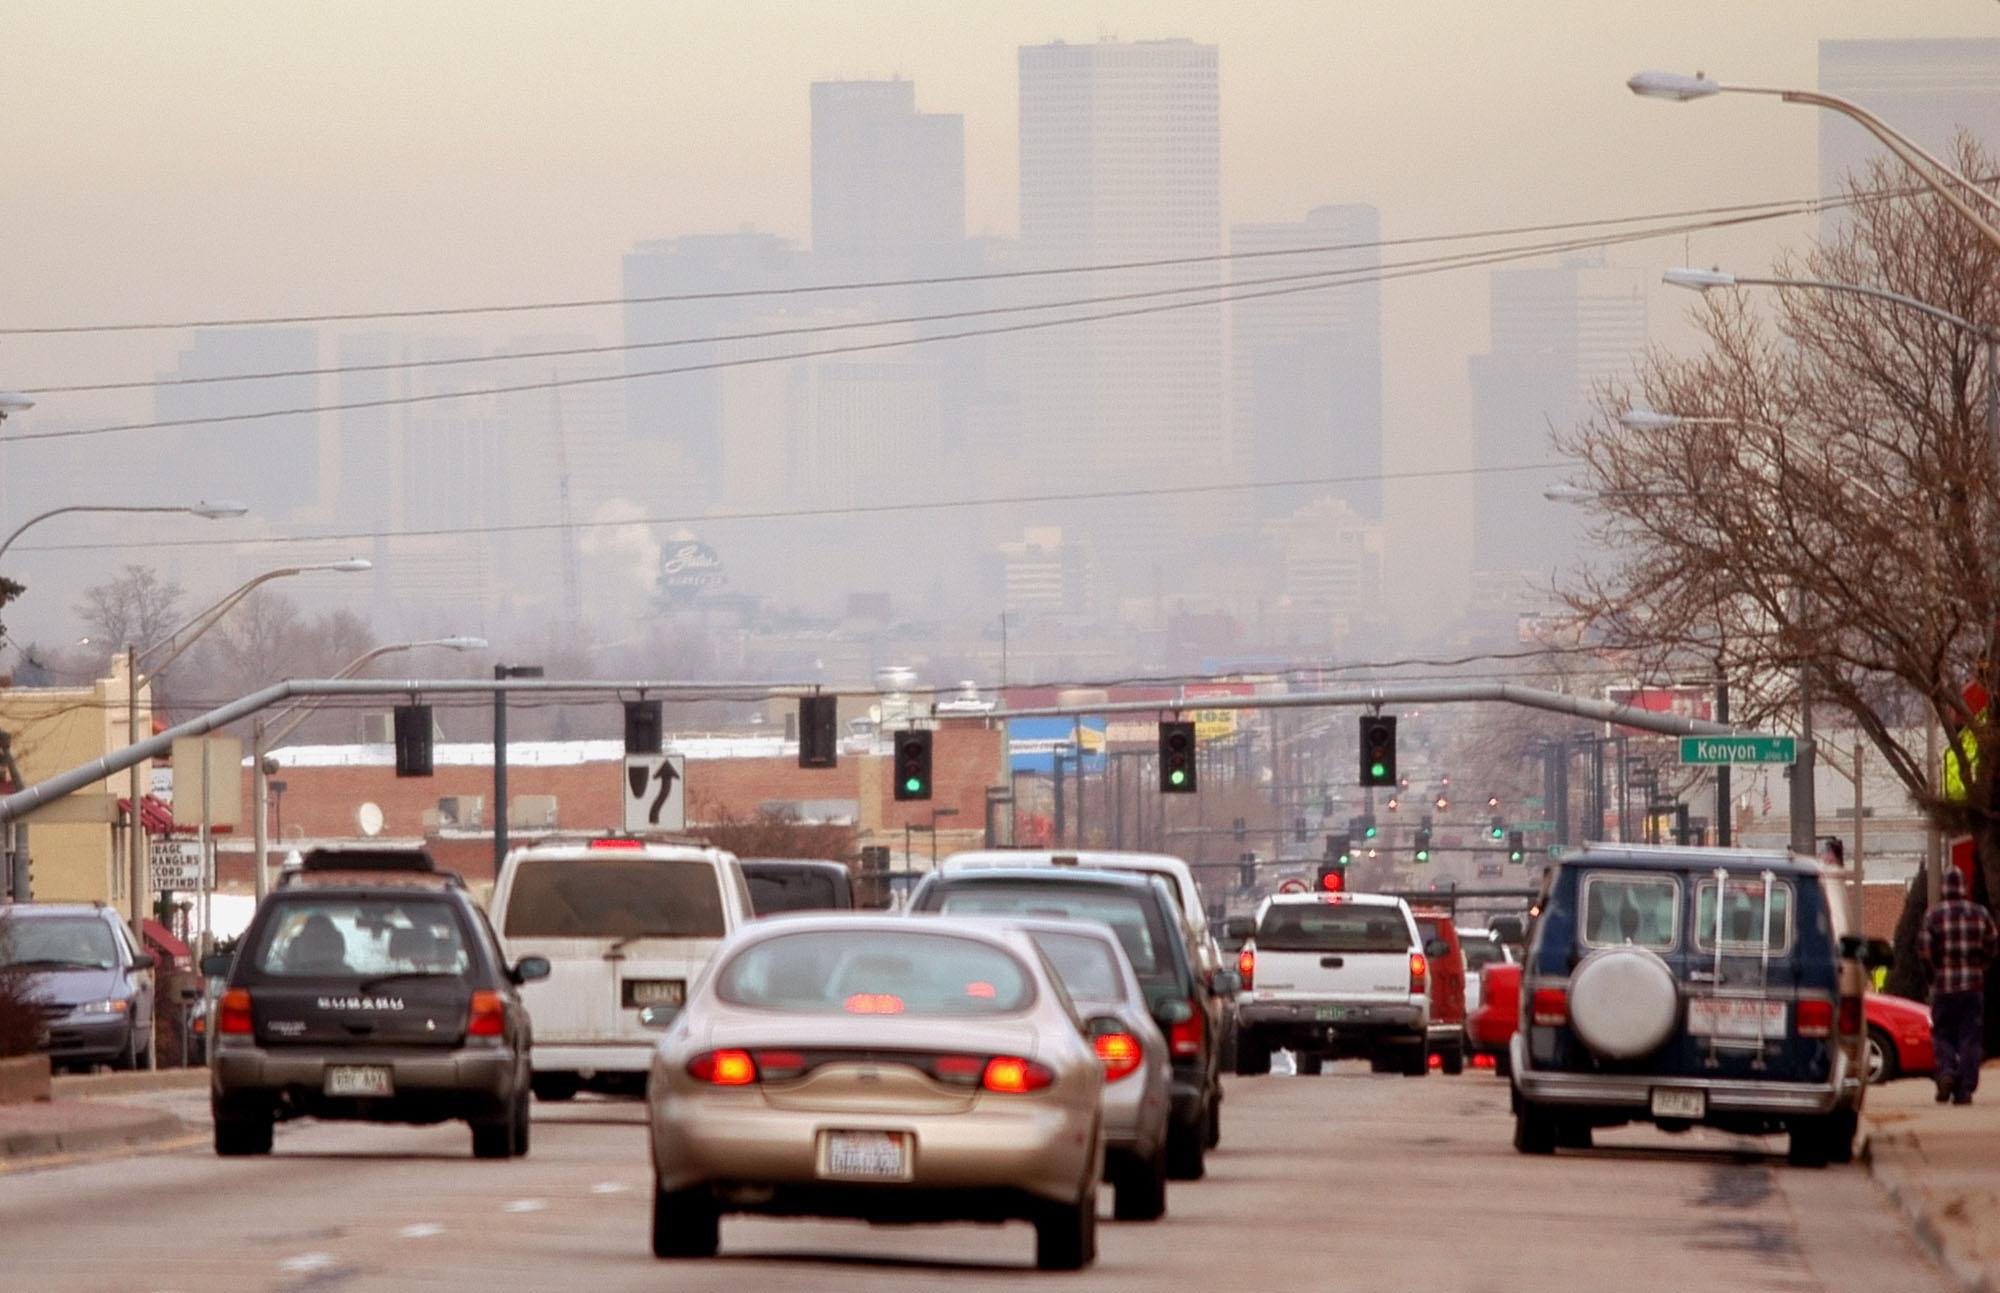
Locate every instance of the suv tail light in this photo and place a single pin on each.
(488, 1017)
(723, 1068)
(1185, 1037)
(1549, 1007)
(1850, 1016)
(1419, 971)
(1815, 1017)
(1246, 965)
(1120, 1052)
(233, 1014)
(1011, 1075)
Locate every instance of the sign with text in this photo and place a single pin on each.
(176, 864)
(1739, 749)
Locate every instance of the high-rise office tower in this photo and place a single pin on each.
(888, 182)
(273, 464)
(1926, 89)
(1306, 365)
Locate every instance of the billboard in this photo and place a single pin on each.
(1032, 743)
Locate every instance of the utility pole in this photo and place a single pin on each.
(502, 672)
(1723, 834)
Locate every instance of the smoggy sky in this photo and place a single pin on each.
(174, 160)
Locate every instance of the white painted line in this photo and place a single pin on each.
(525, 1205)
(607, 1187)
(304, 1262)
(421, 1230)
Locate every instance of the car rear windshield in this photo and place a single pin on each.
(627, 897)
(1135, 921)
(331, 937)
(57, 942)
(876, 972)
(1643, 910)
(783, 888)
(1086, 965)
(1317, 927)
(1743, 924)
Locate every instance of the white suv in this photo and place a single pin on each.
(625, 924)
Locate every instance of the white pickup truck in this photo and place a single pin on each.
(1334, 976)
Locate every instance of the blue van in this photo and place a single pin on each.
(1686, 987)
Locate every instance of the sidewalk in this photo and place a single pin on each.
(76, 1122)
(1941, 1166)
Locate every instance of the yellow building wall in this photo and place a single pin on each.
(56, 729)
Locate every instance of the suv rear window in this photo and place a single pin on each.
(329, 937)
(1326, 927)
(873, 972)
(794, 888)
(1626, 907)
(1481, 952)
(1743, 915)
(1130, 918)
(628, 897)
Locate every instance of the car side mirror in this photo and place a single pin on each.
(144, 960)
(1169, 1013)
(188, 993)
(216, 964)
(658, 1018)
(1437, 947)
(1225, 983)
(529, 968)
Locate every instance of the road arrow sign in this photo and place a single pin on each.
(655, 792)
(1738, 749)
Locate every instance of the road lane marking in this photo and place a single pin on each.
(607, 1187)
(525, 1205)
(421, 1230)
(304, 1262)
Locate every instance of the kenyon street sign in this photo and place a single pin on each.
(1739, 749)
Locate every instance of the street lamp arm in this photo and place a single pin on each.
(207, 619)
(1984, 331)
(74, 507)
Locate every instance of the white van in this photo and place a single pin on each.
(625, 924)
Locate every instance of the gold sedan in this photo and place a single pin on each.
(879, 1068)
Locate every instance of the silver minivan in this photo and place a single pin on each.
(626, 925)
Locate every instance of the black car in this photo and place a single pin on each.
(1141, 910)
(94, 985)
(797, 884)
(370, 987)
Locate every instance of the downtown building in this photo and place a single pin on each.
(1930, 90)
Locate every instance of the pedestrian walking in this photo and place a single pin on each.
(1957, 943)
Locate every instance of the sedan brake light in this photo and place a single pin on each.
(1246, 965)
(777, 1066)
(234, 1013)
(1185, 1037)
(1120, 1052)
(874, 1003)
(1549, 1007)
(723, 1068)
(1815, 1017)
(1011, 1075)
(488, 1015)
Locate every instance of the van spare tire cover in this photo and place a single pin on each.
(1623, 1002)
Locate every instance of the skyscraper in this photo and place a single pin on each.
(888, 182)
(1306, 366)
(1555, 334)
(1121, 160)
(270, 463)
(1926, 89)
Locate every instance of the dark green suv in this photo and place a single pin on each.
(370, 987)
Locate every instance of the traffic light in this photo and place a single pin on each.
(1340, 848)
(1299, 829)
(1498, 829)
(1368, 828)
(1443, 802)
(1177, 770)
(1246, 870)
(913, 764)
(819, 731)
(1378, 750)
(1394, 803)
(1239, 828)
(1332, 876)
(413, 740)
(1515, 853)
(642, 727)
(1492, 801)
(1423, 844)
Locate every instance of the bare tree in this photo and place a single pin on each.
(136, 608)
(1825, 515)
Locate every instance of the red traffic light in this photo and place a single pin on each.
(1332, 881)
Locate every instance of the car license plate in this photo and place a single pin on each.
(1742, 1017)
(1679, 1102)
(640, 993)
(866, 1155)
(1329, 1014)
(359, 1079)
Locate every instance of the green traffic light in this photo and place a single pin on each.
(1378, 769)
(1496, 832)
(1178, 777)
(913, 785)
(1370, 832)
(1423, 855)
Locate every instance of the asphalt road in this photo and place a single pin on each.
(1346, 1181)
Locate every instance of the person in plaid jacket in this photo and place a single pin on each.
(1957, 943)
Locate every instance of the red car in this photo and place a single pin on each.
(1899, 1030)
(1447, 988)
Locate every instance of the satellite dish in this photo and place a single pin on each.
(369, 818)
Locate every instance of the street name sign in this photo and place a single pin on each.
(1739, 749)
(1534, 826)
(655, 789)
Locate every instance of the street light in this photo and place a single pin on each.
(216, 511)
(1937, 176)
(301, 711)
(13, 402)
(199, 625)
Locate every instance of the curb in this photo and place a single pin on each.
(91, 1085)
(1967, 1275)
(82, 1140)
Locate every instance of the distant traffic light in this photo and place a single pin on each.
(1239, 828)
(1394, 803)
(1443, 802)
(1423, 844)
(1368, 828)
(1246, 870)
(819, 731)
(1492, 801)
(1340, 848)
(1299, 832)
(642, 727)
(1515, 852)
(913, 764)
(1498, 829)
(1378, 750)
(413, 740)
(1177, 770)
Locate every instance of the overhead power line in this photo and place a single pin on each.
(1221, 296)
(807, 513)
(1795, 206)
